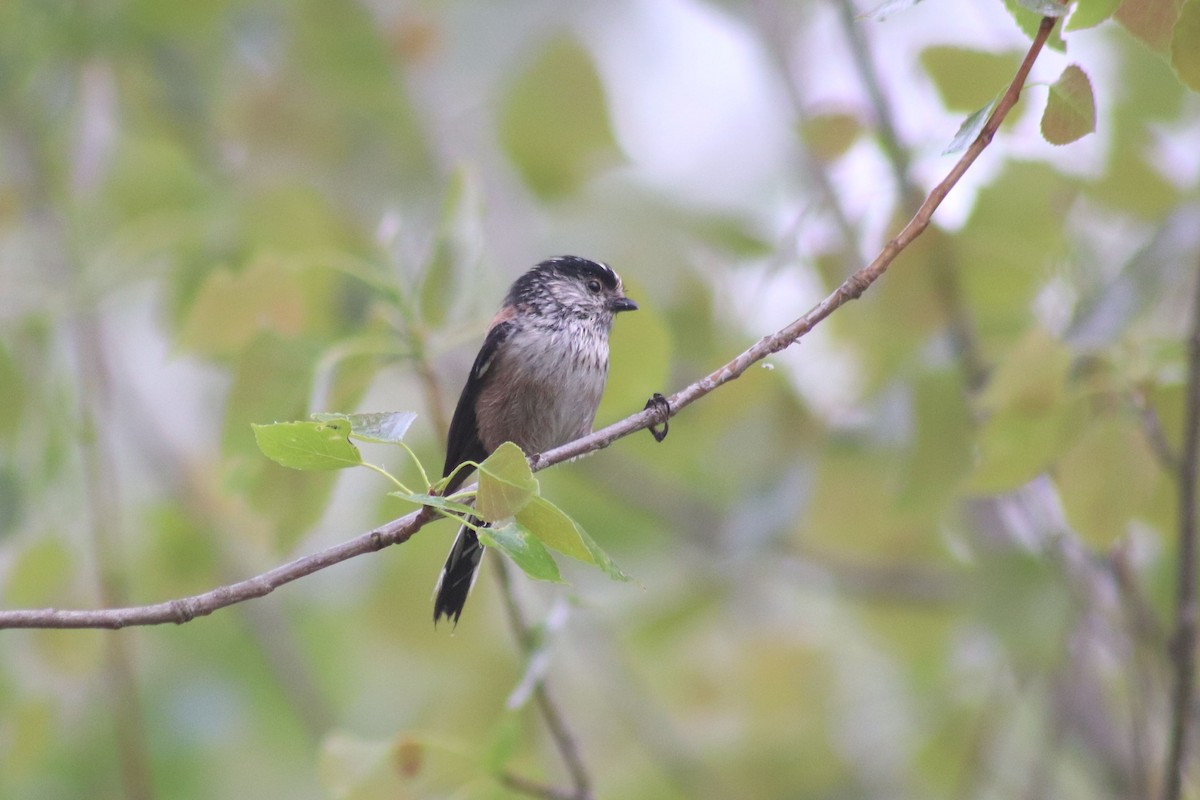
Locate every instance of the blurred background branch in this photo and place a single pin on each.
(1183, 639)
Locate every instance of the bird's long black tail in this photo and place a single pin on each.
(458, 576)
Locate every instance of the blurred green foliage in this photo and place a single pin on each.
(927, 552)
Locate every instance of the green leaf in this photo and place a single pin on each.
(970, 128)
(1090, 13)
(966, 77)
(308, 445)
(555, 125)
(1185, 45)
(556, 529)
(1071, 109)
(516, 542)
(436, 501)
(506, 484)
(386, 427)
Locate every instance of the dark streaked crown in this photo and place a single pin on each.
(582, 269)
(532, 284)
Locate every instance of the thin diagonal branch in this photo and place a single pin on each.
(400, 530)
(946, 284)
(1183, 644)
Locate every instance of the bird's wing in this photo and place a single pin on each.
(463, 443)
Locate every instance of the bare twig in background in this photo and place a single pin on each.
(95, 391)
(1183, 642)
(400, 530)
(1168, 459)
(561, 733)
(772, 29)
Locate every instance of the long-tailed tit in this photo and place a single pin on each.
(536, 382)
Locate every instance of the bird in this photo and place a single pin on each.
(536, 382)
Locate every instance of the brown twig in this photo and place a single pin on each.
(400, 530)
(534, 788)
(945, 277)
(1183, 642)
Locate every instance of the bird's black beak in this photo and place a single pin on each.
(618, 304)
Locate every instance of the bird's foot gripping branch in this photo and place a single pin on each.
(509, 511)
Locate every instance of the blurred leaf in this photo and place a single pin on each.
(41, 575)
(1185, 45)
(965, 78)
(1001, 273)
(504, 740)
(555, 529)
(1150, 21)
(1106, 477)
(970, 128)
(12, 500)
(460, 215)
(352, 768)
(408, 756)
(386, 427)
(506, 484)
(1016, 446)
(1131, 185)
(728, 233)
(524, 549)
(1089, 13)
(1070, 109)
(554, 124)
(12, 394)
(1169, 404)
(308, 445)
(829, 136)
(179, 556)
(940, 458)
(32, 729)
(1028, 604)
(272, 380)
(231, 309)
(1031, 378)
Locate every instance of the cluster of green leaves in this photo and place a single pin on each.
(1170, 28)
(518, 521)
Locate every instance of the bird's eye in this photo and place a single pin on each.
(593, 286)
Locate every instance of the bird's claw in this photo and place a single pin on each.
(663, 406)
